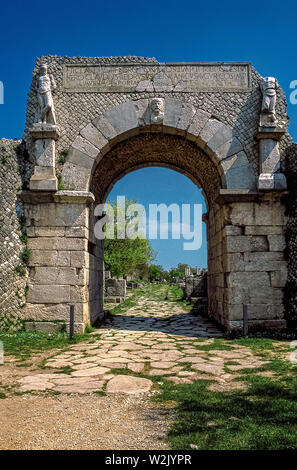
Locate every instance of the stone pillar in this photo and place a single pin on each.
(44, 136)
(270, 177)
(187, 271)
(253, 261)
(61, 261)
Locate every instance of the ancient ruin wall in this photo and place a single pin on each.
(74, 111)
(13, 271)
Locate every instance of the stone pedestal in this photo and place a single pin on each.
(44, 178)
(270, 177)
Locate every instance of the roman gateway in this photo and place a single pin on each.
(221, 124)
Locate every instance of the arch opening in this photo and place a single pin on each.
(157, 150)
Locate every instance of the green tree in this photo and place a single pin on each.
(176, 273)
(155, 272)
(123, 255)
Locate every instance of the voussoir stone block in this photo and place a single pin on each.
(209, 130)
(142, 112)
(172, 112)
(123, 117)
(229, 148)
(187, 113)
(197, 123)
(223, 135)
(84, 146)
(94, 136)
(104, 126)
(239, 172)
(80, 159)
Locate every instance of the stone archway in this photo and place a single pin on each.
(132, 118)
(245, 225)
(153, 149)
(188, 140)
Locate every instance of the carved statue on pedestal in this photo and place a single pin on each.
(268, 87)
(45, 85)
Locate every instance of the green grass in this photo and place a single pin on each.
(20, 270)
(263, 417)
(129, 302)
(22, 344)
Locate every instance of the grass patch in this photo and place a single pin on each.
(257, 345)
(217, 344)
(19, 269)
(129, 302)
(262, 418)
(22, 344)
(100, 393)
(63, 370)
(25, 255)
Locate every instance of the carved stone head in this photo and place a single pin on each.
(43, 69)
(157, 110)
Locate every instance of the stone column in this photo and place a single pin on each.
(62, 265)
(187, 271)
(44, 178)
(253, 262)
(270, 177)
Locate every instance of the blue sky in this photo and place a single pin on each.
(159, 185)
(264, 33)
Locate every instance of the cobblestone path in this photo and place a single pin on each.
(152, 339)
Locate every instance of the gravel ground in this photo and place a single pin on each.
(32, 422)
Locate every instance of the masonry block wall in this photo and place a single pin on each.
(247, 263)
(59, 263)
(96, 272)
(256, 256)
(13, 271)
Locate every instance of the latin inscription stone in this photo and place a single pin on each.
(188, 77)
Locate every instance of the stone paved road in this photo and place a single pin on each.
(153, 338)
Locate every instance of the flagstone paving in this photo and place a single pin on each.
(152, 339)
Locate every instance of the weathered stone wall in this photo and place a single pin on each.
(247, 262)
(195, 285)
(216, 279)
(290, 290)
(76, 109)
(13, 271)
(246, 236)
(60, 261)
